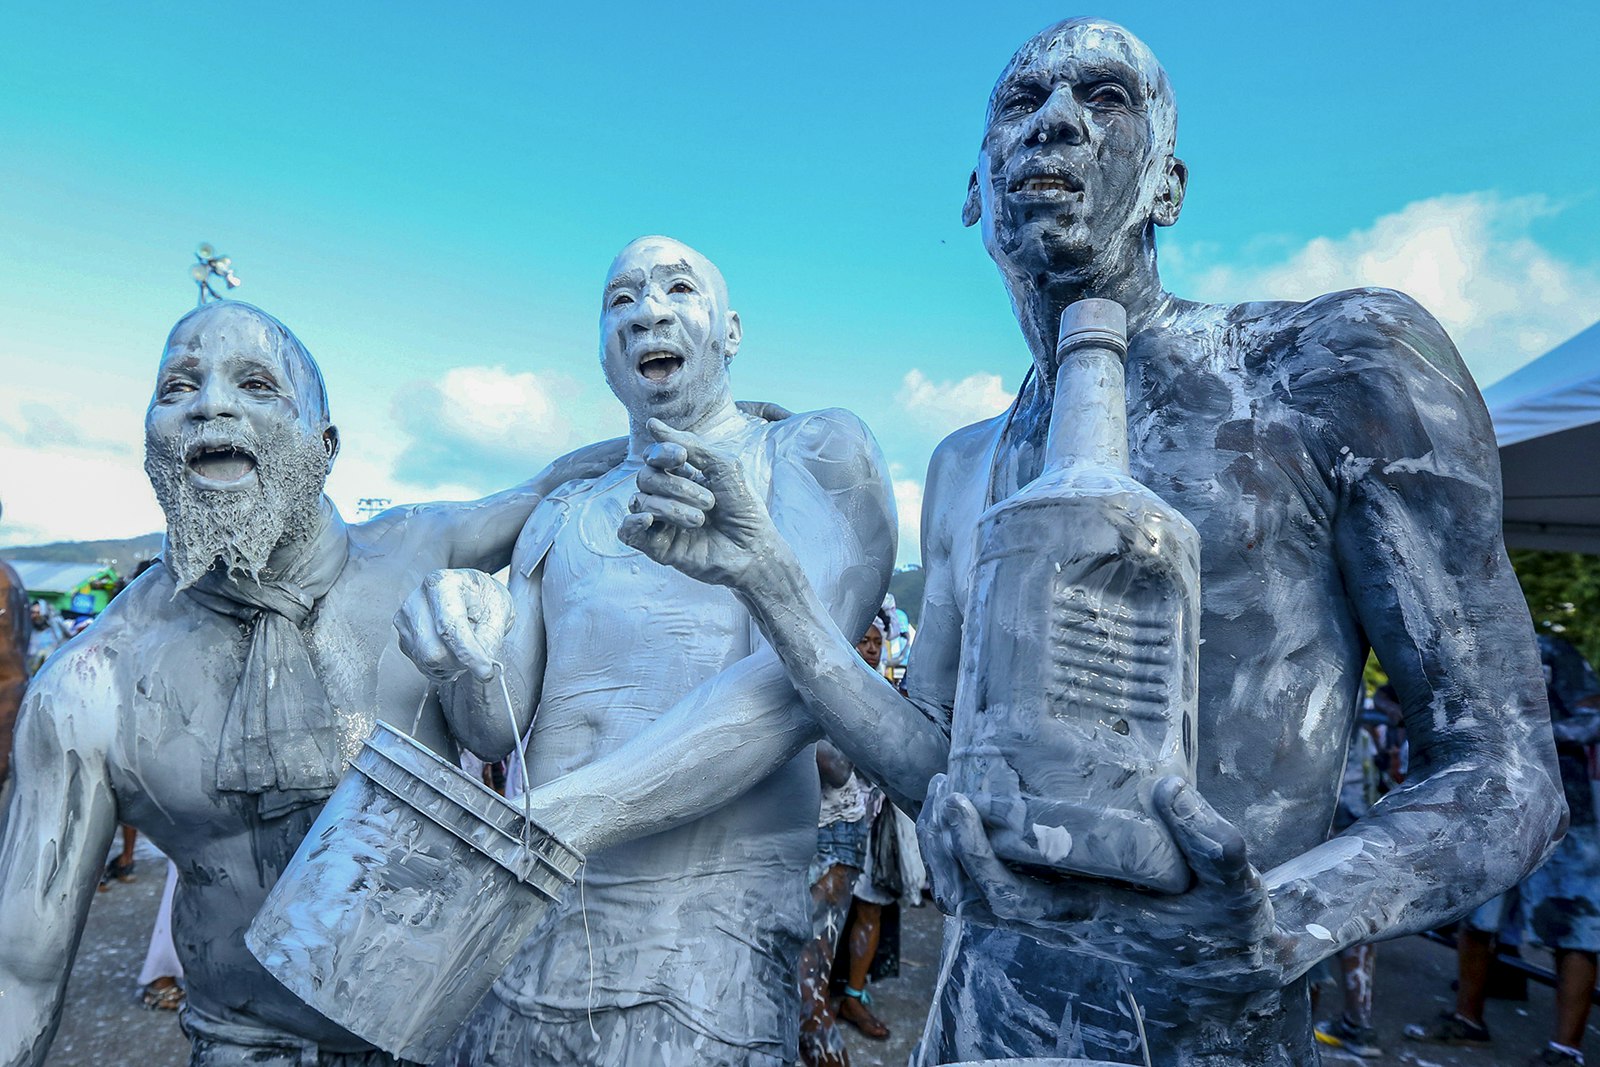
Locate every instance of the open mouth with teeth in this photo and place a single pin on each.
(222, 463)
(659, 366)
(1047, 183)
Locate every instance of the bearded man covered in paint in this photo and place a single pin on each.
(1339, 465)
(216, 702)
(679, 947)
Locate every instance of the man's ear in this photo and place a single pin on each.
(972, 210)
(735, 335)
(330, 444)
(1169, 198)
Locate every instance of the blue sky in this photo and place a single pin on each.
(430, 198)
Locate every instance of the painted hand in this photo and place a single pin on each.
(455, 622)
(1221, 933)
(695, 512)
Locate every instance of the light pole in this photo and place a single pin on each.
(209, 264)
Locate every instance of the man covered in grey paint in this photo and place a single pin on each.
(678, 948)
(215, 703)
(1339, 466)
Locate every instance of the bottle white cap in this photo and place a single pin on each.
(1093, 322)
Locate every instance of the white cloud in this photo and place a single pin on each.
(1469, 259)
(942, 407)
(908, 503)
(64, 478)
(486, 428)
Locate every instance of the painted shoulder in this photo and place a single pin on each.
(842, 461)
(965, 449)
(826, 439)
(1351, 333)
(1372, 374)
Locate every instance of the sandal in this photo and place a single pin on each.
(122, 872)
(853, 1010)
(158, 997)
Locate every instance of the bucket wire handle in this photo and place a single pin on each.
(518, 751)
(416, 721)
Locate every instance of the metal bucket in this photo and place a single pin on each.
(1036, 1063)
(409, 895)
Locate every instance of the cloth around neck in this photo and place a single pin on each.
(279, 740)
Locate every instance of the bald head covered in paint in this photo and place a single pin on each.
(667, 333)
(1077, 166)
(238, 441)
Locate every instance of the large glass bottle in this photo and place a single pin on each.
(1080, 650)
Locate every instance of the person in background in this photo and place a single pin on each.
(865, 925)
(1352, 1030)
(14, 632)
(1560, 901)
(161, 977)
(48, 634)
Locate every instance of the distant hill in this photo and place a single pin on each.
(906, 585)
(124, 554)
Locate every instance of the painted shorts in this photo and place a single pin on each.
(840, 842)
(216, 1043)
(1558, 905)
(645, 1035)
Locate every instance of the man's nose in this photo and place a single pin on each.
(1060, 119)
(653, 312)
(215, 400)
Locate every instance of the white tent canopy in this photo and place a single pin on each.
(1547, 421)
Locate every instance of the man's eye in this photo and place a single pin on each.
(1020, 102)
(256, 385)
(1108, 95)
(170, 388)
(620, 300)
(679, 288)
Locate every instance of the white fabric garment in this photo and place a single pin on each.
(161, 959)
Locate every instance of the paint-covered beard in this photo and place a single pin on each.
(239, 525)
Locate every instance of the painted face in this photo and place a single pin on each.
(1076, 157)
(233, 452)
(666, 333)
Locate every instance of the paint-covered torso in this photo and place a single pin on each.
(705, 919)
(1243, 427)
(175, 665)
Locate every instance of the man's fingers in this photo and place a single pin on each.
(420, 641)
(1213, 846)
(640, 530)
(695, 449)
(665, 455)
(468, 651)
(680, 515)
(1005, 894)
(664, 483)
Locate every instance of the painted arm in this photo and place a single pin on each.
(832, 766)
(480, 534)
(728, 537)
(1419, 544)
(734, 730)
(13, 659)
(57, 828)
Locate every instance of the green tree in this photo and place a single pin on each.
(1563, 594)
